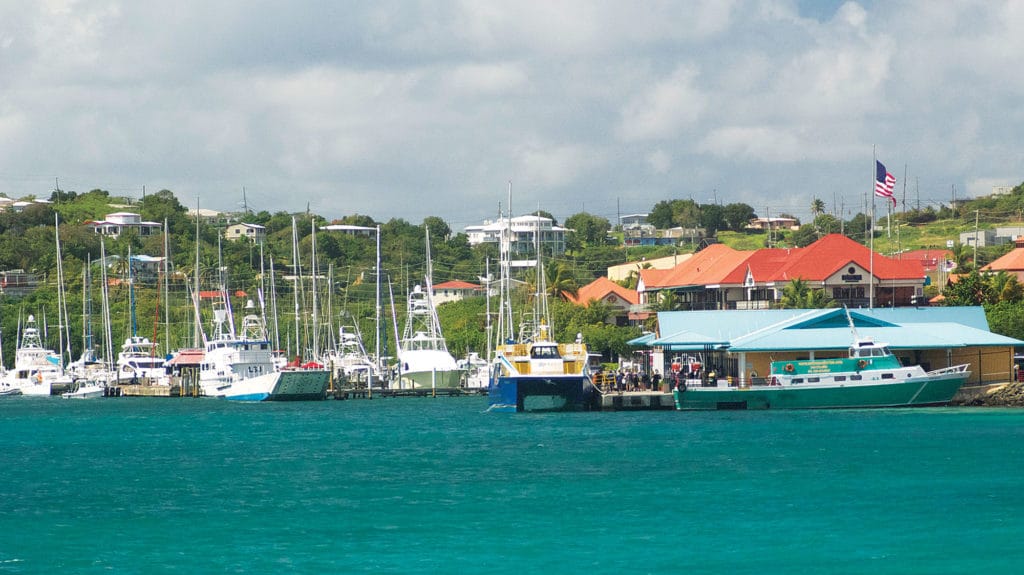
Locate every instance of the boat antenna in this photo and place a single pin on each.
(849, 319)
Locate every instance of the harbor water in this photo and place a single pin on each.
(438, 485)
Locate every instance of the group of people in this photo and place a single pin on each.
(633, 380)
(639, 380)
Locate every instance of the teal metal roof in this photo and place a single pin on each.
(779, 330)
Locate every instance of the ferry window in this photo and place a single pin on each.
(856, 377)
(813, 379)
(840, 378)
(887, 376)
(798, 380)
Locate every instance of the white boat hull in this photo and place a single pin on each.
(286, 385)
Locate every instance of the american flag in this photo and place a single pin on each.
(884, 183)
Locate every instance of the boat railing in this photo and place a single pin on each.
(954, 369)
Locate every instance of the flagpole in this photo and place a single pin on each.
(871, 230)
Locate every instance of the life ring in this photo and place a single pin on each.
(862, 364)
(789, 367)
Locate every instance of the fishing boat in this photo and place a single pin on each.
(870, 376)
(36, 368)
(477, 371)
(242, 367)
(84, 389)
(423, 358)
(349, 359)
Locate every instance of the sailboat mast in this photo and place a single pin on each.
(197, 334)
(296, 269)
(313, 268)
(167, 290)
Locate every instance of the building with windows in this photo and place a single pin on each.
(523, 232)
(622, 302)
(739, 343)
(455, 290)
(117, 223)
(719, 277)
(252, 232)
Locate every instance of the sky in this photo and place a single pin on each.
(412, 109)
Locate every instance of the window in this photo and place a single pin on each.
(840, 378)
(813, 379)
(856, 377)
(888, 376)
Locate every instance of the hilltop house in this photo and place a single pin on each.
(117, 223)
(455, 290)
(253, 232)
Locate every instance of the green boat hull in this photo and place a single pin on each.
(937, 390)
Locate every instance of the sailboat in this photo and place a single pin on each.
(535, 372)
(138, 361)
(423, 358)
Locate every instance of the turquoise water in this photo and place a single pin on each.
(440, 486)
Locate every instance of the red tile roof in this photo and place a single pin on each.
(1011, 262)
(600, 289)
(456, 284)
(719, 264)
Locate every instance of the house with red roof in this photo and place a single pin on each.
(622, 301)
(720, 277)
(455, 290)
(1012, 262)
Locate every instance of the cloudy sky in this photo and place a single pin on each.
(417, 108)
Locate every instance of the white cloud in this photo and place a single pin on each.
(660, 161)
(575, 101)
(664, 108)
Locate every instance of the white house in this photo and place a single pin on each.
(253, 232)
(117, 223)
(523, 231)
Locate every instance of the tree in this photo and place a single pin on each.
(805, 236)
(590, 230)
(712, 218)
(660, 216)
(559, 282)
(817, 207)
(797, 294)
(737, 216)
(969, 289)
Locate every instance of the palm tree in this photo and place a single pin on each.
(559, 282)
(817, 207)
(794, 294)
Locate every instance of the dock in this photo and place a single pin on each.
(636, 401)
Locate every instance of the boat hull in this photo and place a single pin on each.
(89, 391)
(287, 385)
(435, 379)
(918, 392)
(542, 393)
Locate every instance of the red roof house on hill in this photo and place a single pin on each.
(620, 299)
(1012, 262)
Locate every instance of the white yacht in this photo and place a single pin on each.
(243, 368)
(139, 361)
(36, 368)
